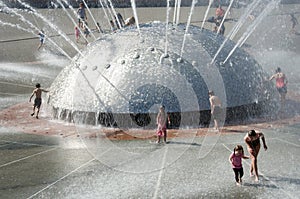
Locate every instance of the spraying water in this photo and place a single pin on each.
(235, 29)
(187, 26)
(115, 14)
(206, 13)
(175, 10)
(75, 24)
(243, 18)
(110, 12)
(91, 16)
(31, 31)
(52, 26)
(178, 11)
(167, 28)
(251, 28)
(105, 13)
(135, 16)
(225, 15)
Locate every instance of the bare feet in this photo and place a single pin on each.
(238, 184)
(251, 174)
(256, 179)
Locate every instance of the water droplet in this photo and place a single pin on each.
(151, 49)
(94, 68)
(179, 60)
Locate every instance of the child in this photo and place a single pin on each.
(77, 34)
(38, 99)
(161, 121)
(112, 25)
(236, 161)
(41, 34)
(86, 32)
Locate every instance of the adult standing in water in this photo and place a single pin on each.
(81, 15)
(252, 139)
(294, 23)
(281, 85)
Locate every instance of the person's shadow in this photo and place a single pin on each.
(185, 143)
(297, 33)
(270, 182)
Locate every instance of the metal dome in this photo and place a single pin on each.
(121, 78)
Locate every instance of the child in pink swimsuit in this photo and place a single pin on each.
(236, 162)
(77, 34)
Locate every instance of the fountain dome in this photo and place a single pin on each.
(122, 78)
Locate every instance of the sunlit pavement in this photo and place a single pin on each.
(35, 166)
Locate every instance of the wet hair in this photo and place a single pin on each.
(278, 70)
(252, 133)
(237, 148)
(211, 92)
(38, 85)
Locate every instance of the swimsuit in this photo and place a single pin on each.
(37, 102)
(217, 115)
(42, 37)
(255, 143)
(280, 85)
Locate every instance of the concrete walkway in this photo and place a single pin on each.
(36, 166)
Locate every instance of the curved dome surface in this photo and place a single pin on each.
(132, 73)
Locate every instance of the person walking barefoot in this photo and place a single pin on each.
(235, 159)
(161, 121)
(252, 139)
(37, 92)
(216, 109)
(281, 85)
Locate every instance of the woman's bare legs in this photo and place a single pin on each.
(253, 167)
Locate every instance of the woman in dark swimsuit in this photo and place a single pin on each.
(252, 139)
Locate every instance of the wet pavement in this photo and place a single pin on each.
(37, 166)
(60, 166)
